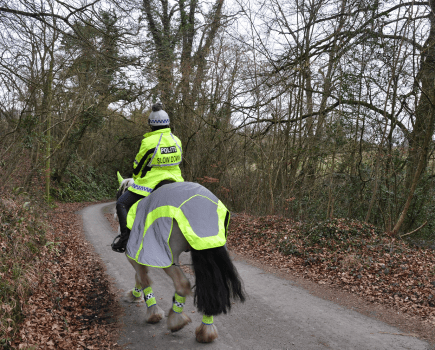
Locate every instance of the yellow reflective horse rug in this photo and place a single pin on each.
(201, 217)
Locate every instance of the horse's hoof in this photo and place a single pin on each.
(154, 314)
(206, 333)
(156, 318)
(177, 321)
(130, 298)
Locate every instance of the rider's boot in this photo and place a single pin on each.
(120, 242)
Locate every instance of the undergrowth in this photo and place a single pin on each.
(335, 235)
(86, 186)
(22, 239)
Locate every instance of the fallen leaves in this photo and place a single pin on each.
(353, 255)
(72, 306)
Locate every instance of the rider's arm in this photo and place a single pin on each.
(144, 155)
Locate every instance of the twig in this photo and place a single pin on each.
(404, 334)
(417, 229)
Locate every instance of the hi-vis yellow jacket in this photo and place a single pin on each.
(158, 159)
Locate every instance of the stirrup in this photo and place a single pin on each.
(118, 246)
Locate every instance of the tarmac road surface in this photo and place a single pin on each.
(277, 314)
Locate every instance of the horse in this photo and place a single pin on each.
(217, 282)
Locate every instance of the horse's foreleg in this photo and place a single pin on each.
(207, 331)
(177, 319)
(154, 312)
(134, 295)
(143, 282)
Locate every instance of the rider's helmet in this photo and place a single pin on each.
(158, 116)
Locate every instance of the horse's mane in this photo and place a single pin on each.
(126, 183)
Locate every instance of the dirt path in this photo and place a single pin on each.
(278, 314)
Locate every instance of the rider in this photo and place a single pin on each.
(158, 160)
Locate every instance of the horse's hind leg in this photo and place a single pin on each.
(154, 312)
(206, 332)
(177, 319)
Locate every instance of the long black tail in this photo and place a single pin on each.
(217, 281)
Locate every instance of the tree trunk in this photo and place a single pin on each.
(46, 114)
(421, 135)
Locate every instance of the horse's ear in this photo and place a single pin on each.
(120, 179)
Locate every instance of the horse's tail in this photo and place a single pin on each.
(217, 281)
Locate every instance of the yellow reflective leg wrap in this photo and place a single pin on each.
(178, 303)
(137, 291)
(149, 297)
(207, 319)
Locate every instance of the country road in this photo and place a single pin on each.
(277, 315)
